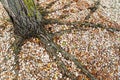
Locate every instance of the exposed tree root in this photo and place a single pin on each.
(54, 49)
(28, 23)
(79, 26)
(16, 50)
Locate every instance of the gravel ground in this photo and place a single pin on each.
(97, 49)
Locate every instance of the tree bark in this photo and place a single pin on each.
(28, 22)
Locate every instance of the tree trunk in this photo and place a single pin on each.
(28, 22)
